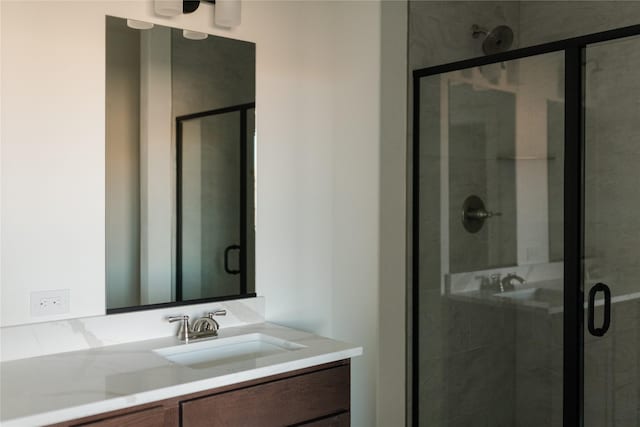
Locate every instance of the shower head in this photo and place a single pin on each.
(497, 40)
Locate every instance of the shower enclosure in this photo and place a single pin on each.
(526, 237)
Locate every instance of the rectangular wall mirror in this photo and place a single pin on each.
(180, 161)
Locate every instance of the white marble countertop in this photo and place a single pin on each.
(550, 302)
(65, 386)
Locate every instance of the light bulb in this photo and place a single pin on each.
(194, 35)
(168, 7)
(227, 13)
(139, 25)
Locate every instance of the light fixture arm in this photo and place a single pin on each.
(190, 6)
(226, 14)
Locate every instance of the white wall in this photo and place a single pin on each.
(356, 192)
(318, 112)
(53, 160)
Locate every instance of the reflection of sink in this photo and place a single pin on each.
(534, 294)
(219, 351)
(523, 294)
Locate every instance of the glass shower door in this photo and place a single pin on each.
(215, 208)
(209, 243)
(612, 234)
(489, 226)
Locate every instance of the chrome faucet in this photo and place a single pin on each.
(490, 283)
(497, 283)
(208, 323)
(205, 327)
(506, 283)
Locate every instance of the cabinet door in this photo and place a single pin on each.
(279, 403)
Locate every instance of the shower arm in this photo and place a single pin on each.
(478, 30)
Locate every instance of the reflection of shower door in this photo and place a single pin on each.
(214, 196)
(562, 349)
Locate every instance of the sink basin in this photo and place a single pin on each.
(213, 352)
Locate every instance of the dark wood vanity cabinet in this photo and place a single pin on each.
(313, 397)
(288, 401)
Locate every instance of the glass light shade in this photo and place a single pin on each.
(194, 35)
(139, 25)
(168, 7)
(227, 13)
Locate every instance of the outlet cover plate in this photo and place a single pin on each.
(50, 303)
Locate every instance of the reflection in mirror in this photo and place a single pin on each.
(179, 167)
(555, 149)
(208, 152)
(489, 253)
(494, 154)
(481, 152)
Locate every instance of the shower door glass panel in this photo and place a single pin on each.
(612, 231)
(210, 206)
(490, 275)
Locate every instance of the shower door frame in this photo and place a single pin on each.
(574, 174)
(244, 235)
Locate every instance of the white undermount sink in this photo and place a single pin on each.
(218, 351)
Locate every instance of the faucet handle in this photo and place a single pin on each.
(508, 277)
(183, 331)
(210, 315)
(216, 313)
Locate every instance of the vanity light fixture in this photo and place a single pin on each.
(194, 35)
(139, 25)
(226, 12)
(168, 7)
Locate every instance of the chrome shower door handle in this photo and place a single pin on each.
(606, 322)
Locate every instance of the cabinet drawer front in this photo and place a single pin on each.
(340, 420)
(153, 417)
(278, 403)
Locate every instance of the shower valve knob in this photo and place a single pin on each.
(481, 214)
(474, 214)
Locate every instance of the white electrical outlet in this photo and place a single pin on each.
(48, 303)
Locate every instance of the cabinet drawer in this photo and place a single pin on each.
(340, 420)
(278, 403)
(153, 417)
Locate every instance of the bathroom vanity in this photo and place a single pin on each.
(316, 396)
(252, 373)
